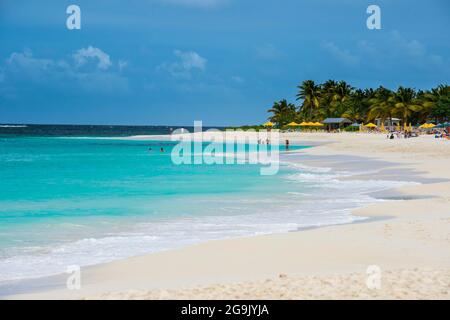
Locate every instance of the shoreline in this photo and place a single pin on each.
(239, 275)
(44, 283)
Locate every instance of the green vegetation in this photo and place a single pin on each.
(338, 99)
(245, 128)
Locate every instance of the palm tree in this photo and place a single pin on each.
(381, 105)
(352, 113)
(355, 106)
(283, 112)
(343, 91)
(340, 95)
(309, 92)
(405, 103)
(327, 91)
(329, 86)
(339, 99)
(433, 100)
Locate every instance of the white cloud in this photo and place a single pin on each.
(191, 60)
(23, 70)
(417, 54)
(396, 54)
(26, 59)
(82, 55)
(188, 62)
(410, 47)
(23, 65)
(342, 55)
(408, 51)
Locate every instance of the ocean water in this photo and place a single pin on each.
(46, 130)
(82, 201)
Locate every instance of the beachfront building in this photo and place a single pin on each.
(388, 123)
(336, 123)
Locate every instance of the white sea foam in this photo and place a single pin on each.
(12, 126)
(308, 203)
(157, 236)
(302, 166)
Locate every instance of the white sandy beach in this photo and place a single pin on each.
(409, 241)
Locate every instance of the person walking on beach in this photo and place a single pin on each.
(287, 144)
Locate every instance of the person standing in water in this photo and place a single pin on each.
(287, 144)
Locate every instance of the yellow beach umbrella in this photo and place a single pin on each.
(427, 126)
(370, 125)
(318, 124)
(304, 124)
(293, 124)
(268, 124)
(310, 124)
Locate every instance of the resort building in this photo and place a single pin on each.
(336, 123)
(388, 123)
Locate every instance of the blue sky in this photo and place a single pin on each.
(221, 61)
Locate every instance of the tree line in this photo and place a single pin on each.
(338, 99)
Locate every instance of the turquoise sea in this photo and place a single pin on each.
(85, 200)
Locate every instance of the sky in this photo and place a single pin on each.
(170, 62)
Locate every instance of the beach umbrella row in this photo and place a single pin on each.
(369, 125)
(311, 124)
(295, 124)
(305, 124)
(427, 126)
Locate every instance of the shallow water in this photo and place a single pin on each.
(86, 201)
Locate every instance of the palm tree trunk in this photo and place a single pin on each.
(405, 119)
